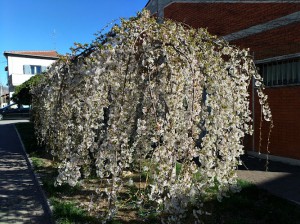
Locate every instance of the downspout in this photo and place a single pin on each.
(253, 112)
(253, 115)
(160, 11)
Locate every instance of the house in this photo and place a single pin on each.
(3, 96)
(22, 65)
(271, 29)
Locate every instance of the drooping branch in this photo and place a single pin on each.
(145, 96)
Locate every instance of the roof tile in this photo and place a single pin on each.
(34, 53)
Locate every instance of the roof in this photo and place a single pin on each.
(50, 54)
(147, 3)
(271, 29)
(225, 18)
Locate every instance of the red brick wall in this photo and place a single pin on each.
(281, 41)
(225, 18)
(285, 136)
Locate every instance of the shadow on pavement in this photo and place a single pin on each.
(281, 179)
(20, 198)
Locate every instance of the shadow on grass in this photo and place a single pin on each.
(68, 212)
(252, 205)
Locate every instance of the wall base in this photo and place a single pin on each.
(294, 162)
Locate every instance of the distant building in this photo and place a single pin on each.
(4, 96)
(271, 29)
(22, 65)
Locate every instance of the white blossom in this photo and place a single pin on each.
(161, 93)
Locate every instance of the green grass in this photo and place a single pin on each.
(26, 131)
(37, 162)
(63, 212)
(68, 212)
(251, 206)
(58, 191)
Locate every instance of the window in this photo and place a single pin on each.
(13, 107)
(34, 69)
(285, 72)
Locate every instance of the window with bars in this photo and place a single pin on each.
(285, 72)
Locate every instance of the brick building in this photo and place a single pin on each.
(271, 29)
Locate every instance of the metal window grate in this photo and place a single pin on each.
(278, 73)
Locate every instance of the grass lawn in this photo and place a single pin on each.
(71, 204)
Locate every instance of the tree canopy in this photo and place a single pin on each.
(163, 100)
(22, 94)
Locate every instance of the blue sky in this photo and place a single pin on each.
(56, 24)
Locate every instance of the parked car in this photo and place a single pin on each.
(15, 111)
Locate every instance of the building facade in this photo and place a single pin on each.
(271, 29)
(22, 65)
(3, 96)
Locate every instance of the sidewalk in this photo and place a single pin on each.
(282, 180)
(22, 201)
(21, 198)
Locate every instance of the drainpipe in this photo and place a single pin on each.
(253, 115)
(253, 111)
(160, 11)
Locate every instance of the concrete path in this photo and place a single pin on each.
(22, 201)
(21, 198)
(282, 180)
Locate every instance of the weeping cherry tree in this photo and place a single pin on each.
(162, 100)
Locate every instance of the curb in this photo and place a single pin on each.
(37, 181)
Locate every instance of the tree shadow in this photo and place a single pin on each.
(259, 164)
(252, 205)
(21, 199)
(281, 179)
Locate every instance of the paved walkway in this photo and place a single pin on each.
(22, 201)
(282, 180)
(21, 198)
